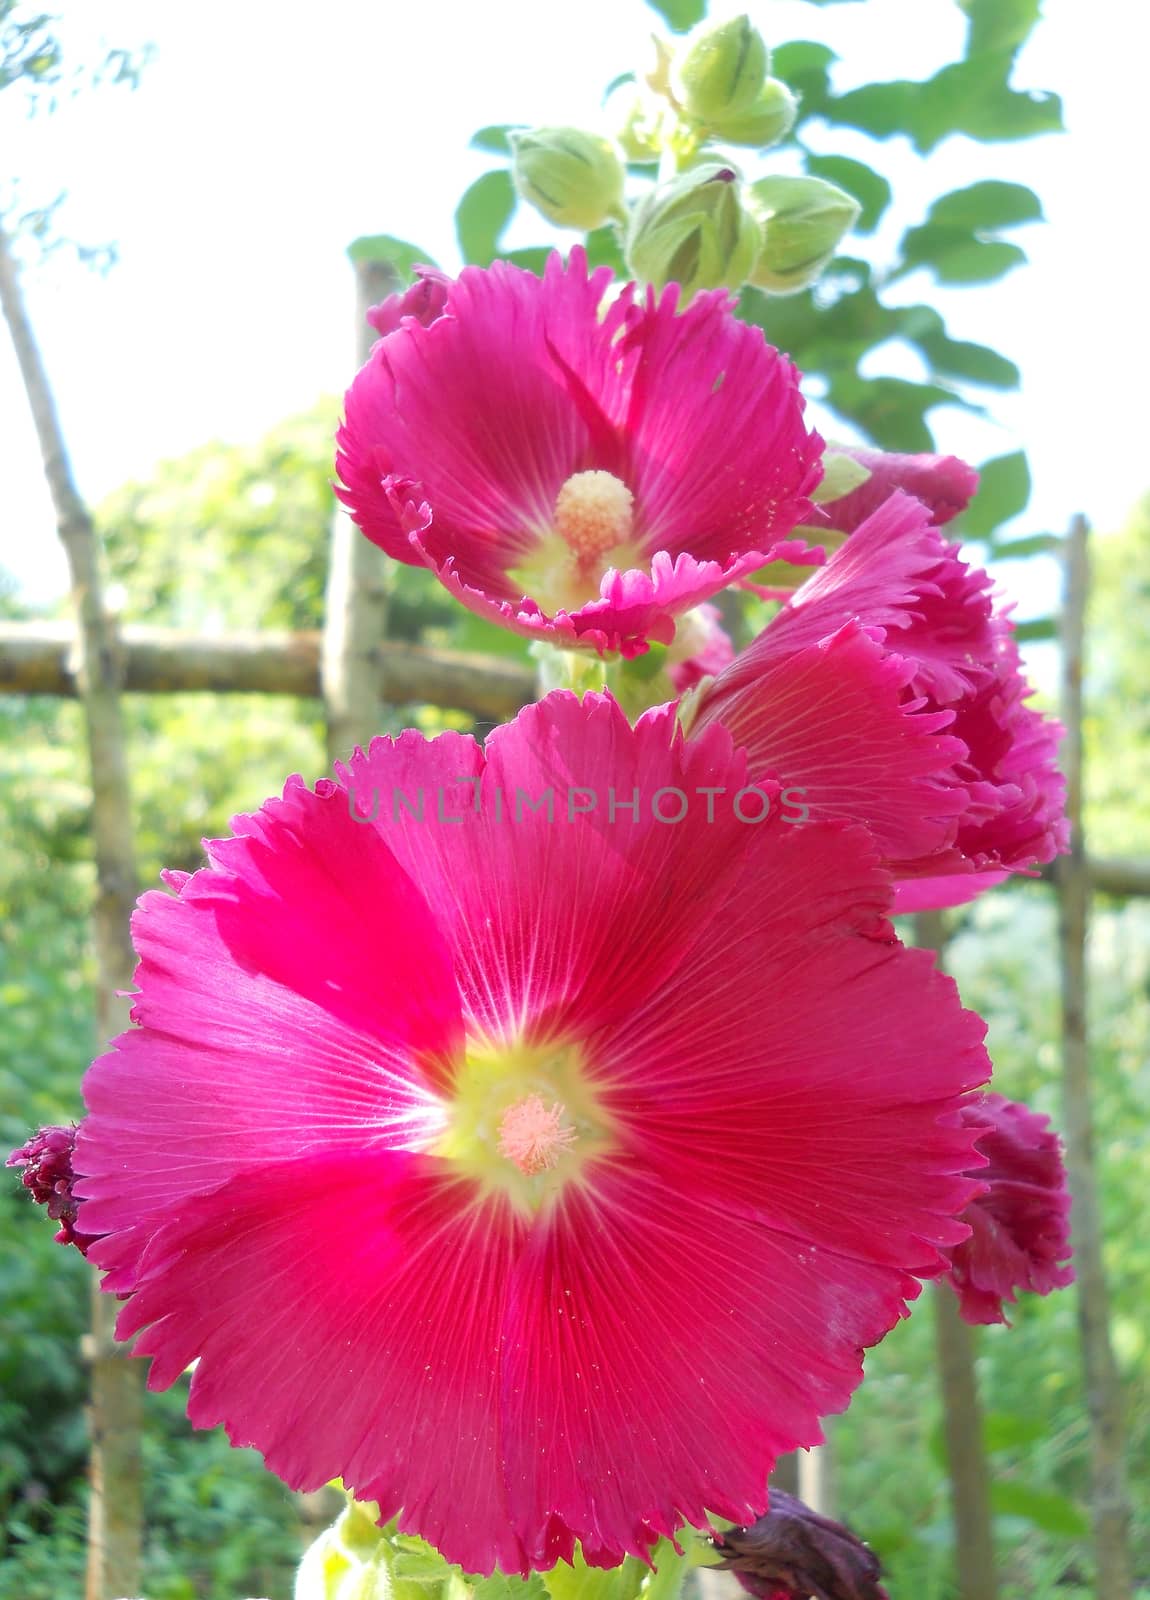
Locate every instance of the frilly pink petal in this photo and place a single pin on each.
(1020, 1225)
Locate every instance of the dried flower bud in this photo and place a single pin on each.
(47, 1162)
(574, 178)
(793, 1554)
(769, 119)
(694, 232)
(721, 68)
(803, 221)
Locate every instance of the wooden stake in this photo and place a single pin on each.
(1110, 1506)
(114, 1517)
(355, 605)
(966, 1462)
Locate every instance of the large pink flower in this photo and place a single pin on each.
(576, 470)
(1020, 1225)
(538, 1166)
(888, 691)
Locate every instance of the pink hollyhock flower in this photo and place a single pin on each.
(1020, 1226)
(539, 1166)
(577, 471)
(888, 691)
(944, 484)
(47, 1162)
(792, 1553)
(424, 300)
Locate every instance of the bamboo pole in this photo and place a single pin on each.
(355, 604)
(967, 1467)
(1110, 1506)
(114, 1514)
(39, 658)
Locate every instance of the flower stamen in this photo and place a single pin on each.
(533, 1135)
(594, 513)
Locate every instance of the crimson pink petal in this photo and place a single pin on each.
(1020, 1224)
(822, 1119)
(944, 484)
(530, 893)
(718, 455)
(831, 724)
(379, 1283)
(286, 996)
(666, 1350)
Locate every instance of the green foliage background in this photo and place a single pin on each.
(236, 538)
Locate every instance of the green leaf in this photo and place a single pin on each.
(999, 24)
(986, 207)
(605, 250)
(1038, 631)
(971, 97)
(1038, 544)
(868, 187)
(1044, 1509)
(397, 252)
(955, 256)
(891, 411)
(805, 67)
(617, 82)
(532, 259)
(1006, 1430)
(679, 15)
(1003, 491)
(482, 216)
(494, 139)
(954, 358)
(578, 1581)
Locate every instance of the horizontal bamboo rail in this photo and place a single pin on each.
(38, 658)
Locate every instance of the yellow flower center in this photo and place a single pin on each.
(523, 1119)
(592, 530)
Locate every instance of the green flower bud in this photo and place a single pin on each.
(770, 119)
(720, 69)
(803, 220)
(694, 232)
(573, 178)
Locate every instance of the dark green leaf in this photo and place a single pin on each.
(805, 67)
(1003, 491)
(494, 139)
(987, 207)
(999, 24)
(868, 187)
(679, 15)
(482, 215)
(1044, 1509)
(397, 252)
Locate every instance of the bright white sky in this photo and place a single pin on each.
(265, 137)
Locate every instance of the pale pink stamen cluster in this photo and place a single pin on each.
(533, 1135)
(594, 513)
